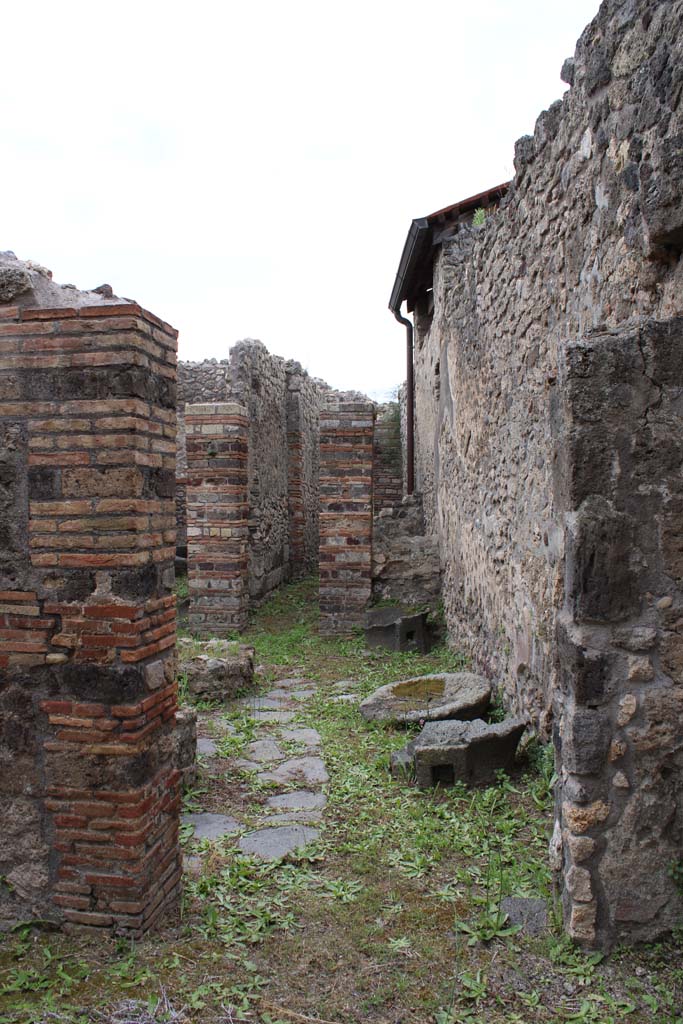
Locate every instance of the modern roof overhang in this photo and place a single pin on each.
(415, 269)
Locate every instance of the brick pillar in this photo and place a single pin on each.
(217, 517)
(387, 459)
(346, 434)
(89, 793)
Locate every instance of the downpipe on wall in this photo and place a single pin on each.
(410, 386)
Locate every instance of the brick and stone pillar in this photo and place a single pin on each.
(89, 793)
(346, 436)
(388, 458)
(217, 517)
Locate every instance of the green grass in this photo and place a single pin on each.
(394, 915)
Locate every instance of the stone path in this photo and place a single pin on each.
(288, 818)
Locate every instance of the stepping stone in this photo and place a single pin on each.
(259, 704)
(246, 765)
(309, 737)
(310, 770)
(265, 750)
(278, 694)
(206, 746)
(276, 843)
(273, 716)
(292, 684)
(344, 685)
(346, 698)
(459, 695)
(299, 800)
(288, 817)
(302, 694)
(211, 826)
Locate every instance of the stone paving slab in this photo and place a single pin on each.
(273, 716)
(206, 746)
(264, 751)
(259, 704)
(292, 817)
(309, 737)
(309, 770)
(299, 800)
(212, 826)
(275, 843)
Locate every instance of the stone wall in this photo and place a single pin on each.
(282, 404)
(88, 791)
(405, 560)
(547, 436)
(346, 429)
(304, 398)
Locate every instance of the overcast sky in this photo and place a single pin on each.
(250, 169)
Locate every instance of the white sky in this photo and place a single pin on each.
(250, 169)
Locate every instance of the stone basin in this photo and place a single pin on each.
(461, 695)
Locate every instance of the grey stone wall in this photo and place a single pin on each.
(405, 560)
(547, 434)
(283, 408)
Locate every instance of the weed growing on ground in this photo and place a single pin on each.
(393, 915)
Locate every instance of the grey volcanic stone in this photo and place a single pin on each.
(446, 752)
(272, 716)
(185, 745)
(211, 826)
(397, 629)
(300, 800)
(461, 695)
(530, 913)
(309, 737)
(221, 678)
(276, 843)
(264, 750)
(310, 770)
(260, 704)
(206, 746)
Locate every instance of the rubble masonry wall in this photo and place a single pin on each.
(548, 435)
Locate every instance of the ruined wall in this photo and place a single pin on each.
(282, 404)
(551, 494)
(346, 429)
(405, 559)
(388, 457)
(207, 381)
(217, 517)
(88, 792)
(304, 398)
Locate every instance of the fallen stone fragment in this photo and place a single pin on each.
(276, 843)
(221, 678)
(460, 695)
(299, 800)
(529, 913)
(309, 770)
(397, 629)
(211, 826)
(446, 752)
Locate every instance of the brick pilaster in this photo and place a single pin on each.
(346, 438)
(217, 517)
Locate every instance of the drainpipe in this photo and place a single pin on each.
(410, 387)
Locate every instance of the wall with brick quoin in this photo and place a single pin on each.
(346, 471)
(88, 791)
(548, 450)
(217, 436)
(282, 404)
(388, 457)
